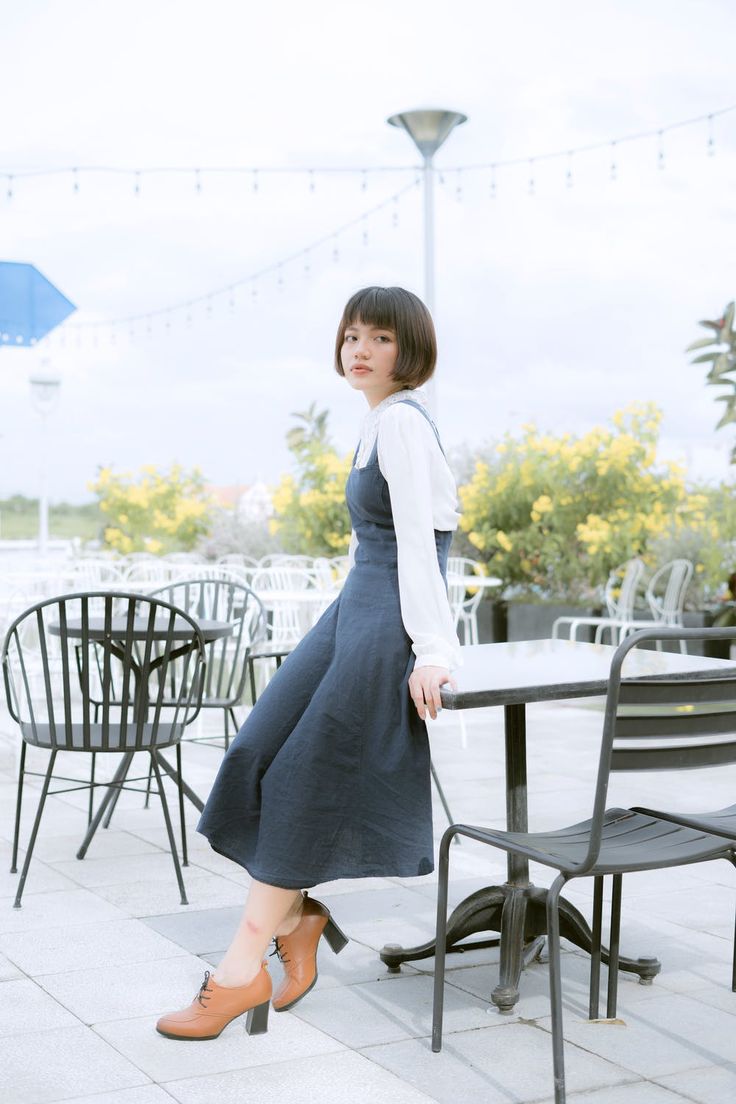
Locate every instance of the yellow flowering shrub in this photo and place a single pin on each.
(151, 510)
(310, 515)
(552, 515)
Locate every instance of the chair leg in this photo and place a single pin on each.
(169, 829)
(236, 726)
(614, 947)
(148, 786)
(441, 793)
(91, 807)
(182, 821)
(34, 831)
(440, 945)
(555, 987)
(16, 834)
(111, 807)
(595, 950)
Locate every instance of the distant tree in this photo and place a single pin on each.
(153, 511)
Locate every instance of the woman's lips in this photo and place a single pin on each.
(359, 368)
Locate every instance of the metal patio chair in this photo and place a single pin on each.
(617, 841)
(49, 664)
(465, 609)
(620, 594)
(227, 657)
(665, 594)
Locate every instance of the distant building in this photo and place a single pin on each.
(251, 502)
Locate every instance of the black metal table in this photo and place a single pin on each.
(107, 635)
(512, 675)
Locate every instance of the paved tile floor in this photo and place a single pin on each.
(101, 947)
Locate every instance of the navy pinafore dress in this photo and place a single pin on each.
(329, 776)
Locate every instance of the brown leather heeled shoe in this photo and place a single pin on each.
(298, 952)
(215, 1006)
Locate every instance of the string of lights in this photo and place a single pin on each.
(310, 173)
(143, 322)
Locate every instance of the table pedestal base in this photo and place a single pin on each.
(519, 914)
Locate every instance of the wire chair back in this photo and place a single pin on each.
(622, 588)
(227, 656)
(87, 672)
(667, 589)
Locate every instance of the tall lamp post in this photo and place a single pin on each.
(428, 129)
(44, 396)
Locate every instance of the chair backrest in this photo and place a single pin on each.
(666, 591)
(87, 672)
(227, 656)
(622, 588)
(672, 723)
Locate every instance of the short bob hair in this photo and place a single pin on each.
(402, 312)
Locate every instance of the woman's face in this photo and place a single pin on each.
(369, 356)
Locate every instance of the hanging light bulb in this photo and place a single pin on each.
(9, 191)
(311, 180)
(613, 169)
(255, 180)
(493, 182)
(137, 182)
(660, 149)
(568, 174)
(75, 180)
(459, 186)
(711, 146)
(335, 251)
(531, 186)
(197, 181)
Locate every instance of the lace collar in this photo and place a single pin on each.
(369, 429)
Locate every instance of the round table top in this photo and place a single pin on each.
(181, 629)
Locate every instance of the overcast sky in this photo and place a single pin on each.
(556, 307)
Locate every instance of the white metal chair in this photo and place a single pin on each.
(620, 595)
(665, 596)
(465, 609)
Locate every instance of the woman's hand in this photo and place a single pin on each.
(424, 687)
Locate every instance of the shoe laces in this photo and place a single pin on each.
(279, 950)
(204, 993)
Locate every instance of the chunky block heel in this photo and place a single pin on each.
(334, 936)
(256, 1022)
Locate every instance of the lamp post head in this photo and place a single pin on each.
(428, 128)
(44, 392)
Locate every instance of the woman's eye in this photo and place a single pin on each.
(350, 337)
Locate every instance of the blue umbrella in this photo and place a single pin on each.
(30, 306)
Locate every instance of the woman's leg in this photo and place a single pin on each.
(268, 911)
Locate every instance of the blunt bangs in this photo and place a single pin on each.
(402, 312)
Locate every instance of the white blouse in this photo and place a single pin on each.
(423, 498)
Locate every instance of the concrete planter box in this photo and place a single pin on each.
(534, 620)
(491, 621)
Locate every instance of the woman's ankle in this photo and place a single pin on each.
(293, 917)
(233, 976)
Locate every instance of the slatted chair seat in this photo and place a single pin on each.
(722, 822)
(98, 738)
(634, 840)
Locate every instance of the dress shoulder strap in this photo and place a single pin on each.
(418, 406)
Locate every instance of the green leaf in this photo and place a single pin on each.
(705, 357)
(729, 417)
(711, 325)
(728, 316)
(700, 344)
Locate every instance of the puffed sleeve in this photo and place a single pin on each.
(406, 443)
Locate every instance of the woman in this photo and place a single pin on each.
(329, 777)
